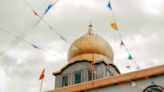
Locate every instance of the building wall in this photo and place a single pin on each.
(100, 72)
(127, 87)
(79, 66)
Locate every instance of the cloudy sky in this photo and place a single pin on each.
(141, 24)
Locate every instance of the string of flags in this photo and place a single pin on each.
(30, 43)
(41, 18)
(115, 28)
(24, 34)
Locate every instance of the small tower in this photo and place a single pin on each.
(80, 61)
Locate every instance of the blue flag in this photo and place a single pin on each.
(48, 8)
(34, 46)
(63, 38)
(109, 5)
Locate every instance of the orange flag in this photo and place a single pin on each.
(35, 13)
(114, 26)
(42, 75)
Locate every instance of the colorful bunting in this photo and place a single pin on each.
(35, 13)
(122, 43)
(130, 57)
(109, 5)
(48, 8)
(114, 26)
(42, 75)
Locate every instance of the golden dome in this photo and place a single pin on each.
(90, 43)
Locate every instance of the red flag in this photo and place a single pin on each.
(42, 75)
(122, 43)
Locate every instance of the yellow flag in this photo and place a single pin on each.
(114, 26)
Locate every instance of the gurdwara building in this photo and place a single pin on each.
(90, 68)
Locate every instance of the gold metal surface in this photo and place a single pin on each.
(90, 43)
(88, 57)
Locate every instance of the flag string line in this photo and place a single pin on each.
(28, 42)
(127, 50)
(120, 36)
(24, 34)
(41, 18)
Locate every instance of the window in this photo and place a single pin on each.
(64, 80)
(109, 73)
(89, 75)
(77, 77)
(154, 88)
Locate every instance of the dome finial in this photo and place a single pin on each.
(90, 30)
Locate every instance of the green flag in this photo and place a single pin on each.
(63, 38)
(130, 57)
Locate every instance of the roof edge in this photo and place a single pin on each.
(137, 75)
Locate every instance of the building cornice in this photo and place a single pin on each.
(137, 75)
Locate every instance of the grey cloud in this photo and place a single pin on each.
(71, 19)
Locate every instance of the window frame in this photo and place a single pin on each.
(154, 86)
(109, 73)
(74, 76)
(88, 74)
(68, 74)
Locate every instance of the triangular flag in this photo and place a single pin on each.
(35, 13)
(122, 43)
(34, 46)
(114, 26)
(42, 75)
(109, 5)
(130, 57)
(48, 8)
(63, 38)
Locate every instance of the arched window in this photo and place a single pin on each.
(109, 73)
(77, 77)
(89, 75)
(154, 88)
(64, 80)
